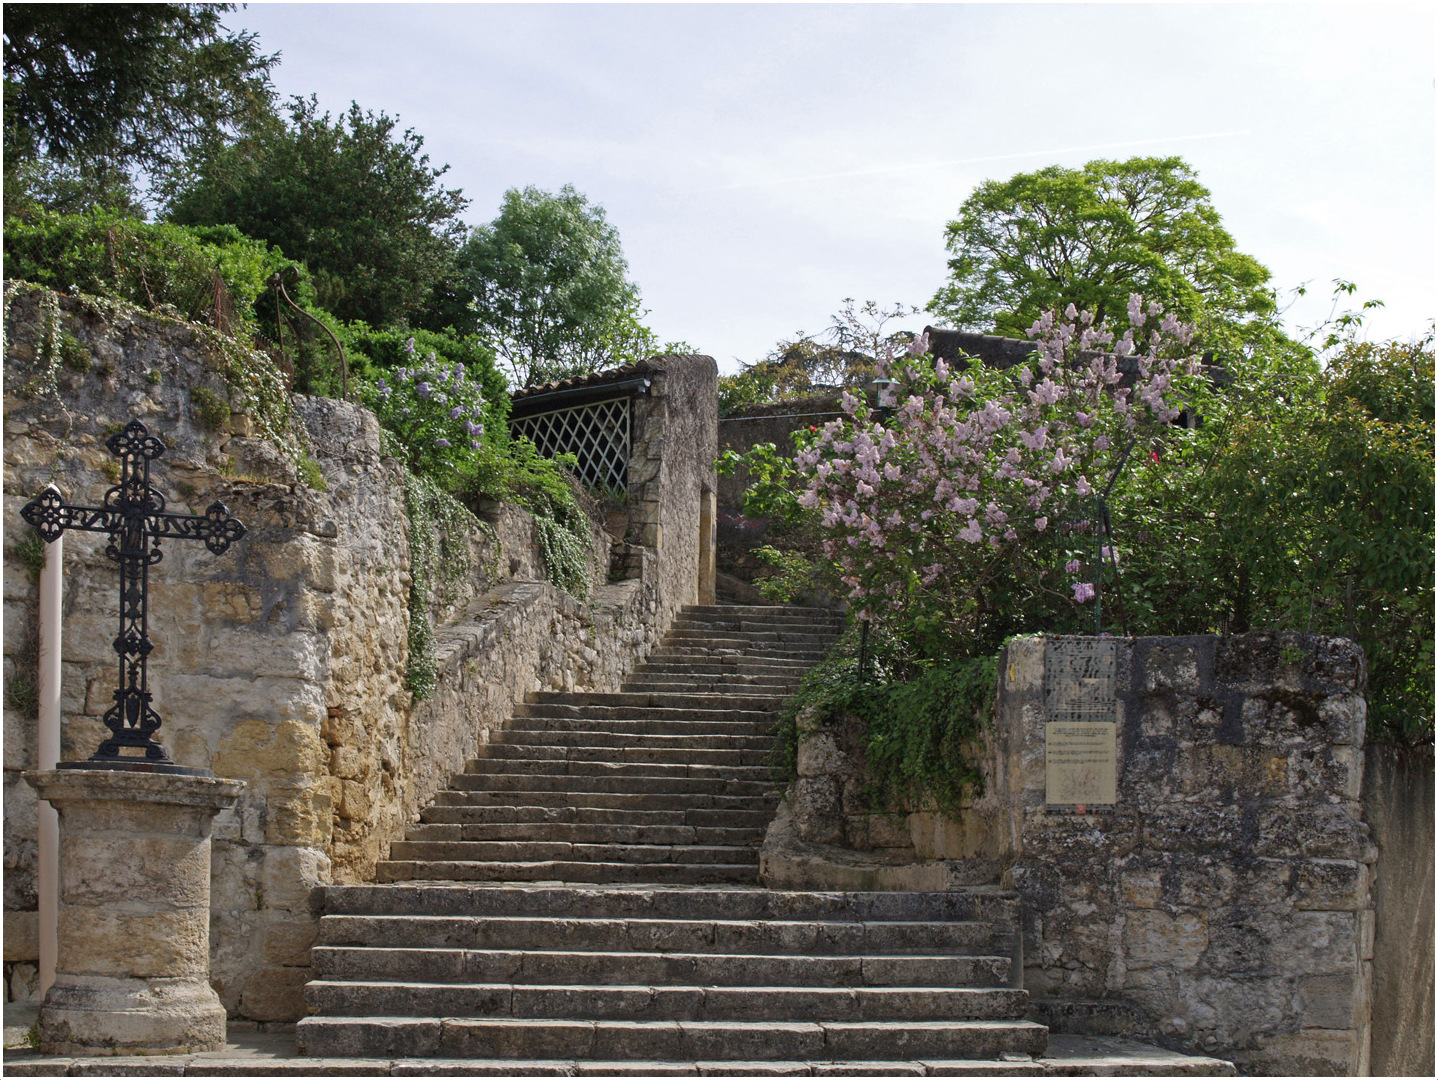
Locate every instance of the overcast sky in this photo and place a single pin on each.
(763, 162)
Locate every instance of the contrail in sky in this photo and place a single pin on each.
(972, 161)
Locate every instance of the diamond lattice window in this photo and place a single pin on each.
(596, 433)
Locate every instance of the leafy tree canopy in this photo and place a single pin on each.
(1091, 237)
(550, 290)
(96, 90)
(356, 202)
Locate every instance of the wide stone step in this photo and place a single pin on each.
(632, 782)
(690, 621)
(594, 739)
(729, 703)
(612, 800)
(661, 665)
(661, 935)
(600, 968)
(530, 851)
(973, 904)
(712, 653)
(566, 1002)
(580, 872)
(587, 833)
(803, 636)
(661, 1040)
(730, 682)
(644, 721)
(632, 760)
(762, 611)
(516, 816)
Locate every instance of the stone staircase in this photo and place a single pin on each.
(586, 891)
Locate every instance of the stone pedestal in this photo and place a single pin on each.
(133, 965)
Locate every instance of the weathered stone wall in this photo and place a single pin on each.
(1227, 894)
(671, 468)
(1398, 806)
(282, 662)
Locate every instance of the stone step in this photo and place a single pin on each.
(661, 1040)
(586, 833)
(978, 903)
(788, 636)
(584, 968)
(763, 611)
(533, 851)
(810, 938)
(579, 872)
(515, 816)
(626, 760)
(708, 654)
(654, 700)
(664, 1002)
(687, 621)
(652, 721)
(593, 739)
(729, 682)
(629, 782)
(660, 664)
(611, 800)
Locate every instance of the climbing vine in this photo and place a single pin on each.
(916, 724)
(440, 561)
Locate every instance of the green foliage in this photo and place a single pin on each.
(916, 724)
(211, 410)
(95, 89)
(790, 574)
(1304, 502)
(356, 202)
(104, 254)
(311, 475)
(373, 353)
(545, 488)
(440, 559)
(550, 293)
(845, 354)
(30, 552)
(1090, 237)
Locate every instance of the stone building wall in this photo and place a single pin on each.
(671, 473)
(1398, 806)
(282, 661)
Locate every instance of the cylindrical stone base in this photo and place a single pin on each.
(133, 966)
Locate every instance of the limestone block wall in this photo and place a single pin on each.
(282, 662)
(1228, 893)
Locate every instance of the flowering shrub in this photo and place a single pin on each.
(439, 416)
(966, 495)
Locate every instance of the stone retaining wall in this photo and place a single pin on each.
(282, 662)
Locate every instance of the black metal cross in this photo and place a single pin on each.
(134, 515)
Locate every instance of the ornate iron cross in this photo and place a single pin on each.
(134, 515)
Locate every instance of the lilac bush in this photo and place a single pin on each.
(436, 412)
(963, 490)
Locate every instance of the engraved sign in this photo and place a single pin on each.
(1081, 766)
(1081, 732)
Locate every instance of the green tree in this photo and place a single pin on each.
(93, 91)
(355, 201)
(1090, 237)
(550, 291)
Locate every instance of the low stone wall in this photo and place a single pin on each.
(1227, 893)
(1222, 906)
(282, 662)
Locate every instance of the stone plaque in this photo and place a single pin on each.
(1081, 766)
(1081, 733)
